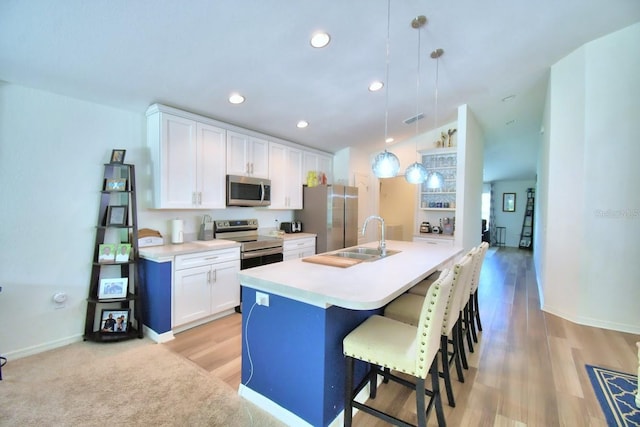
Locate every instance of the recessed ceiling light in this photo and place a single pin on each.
(376, 86)
(508, 98)
(302, 124)
(320, 39)
(236, 98)
(388, 140)
(510, 122)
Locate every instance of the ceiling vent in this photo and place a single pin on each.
(413, 119)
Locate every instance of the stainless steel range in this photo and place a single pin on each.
(255, 250)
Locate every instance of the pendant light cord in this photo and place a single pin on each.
(386, 78)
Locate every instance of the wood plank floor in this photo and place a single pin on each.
(527, 369)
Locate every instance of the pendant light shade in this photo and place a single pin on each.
(416, 173)
(435, 180)
(385, 165)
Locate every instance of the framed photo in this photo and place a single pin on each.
(114, 321)
(116, 184)
(117, 156)
(113, 288)
(106, 253)
(117, 215)
(508, 202)
(122, 252)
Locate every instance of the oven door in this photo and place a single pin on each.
(260, 257)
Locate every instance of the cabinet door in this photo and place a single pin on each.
(237, 154)
(191, 294)
(259, 157)
(247, 156)
(225, 287)
(316, 162)
(178, 167)
(278, 176)
(211, 154)
(294, 178)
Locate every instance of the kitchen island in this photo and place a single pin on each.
(295, 315)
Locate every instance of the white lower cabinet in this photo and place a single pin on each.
(205, 283)
(299, 248)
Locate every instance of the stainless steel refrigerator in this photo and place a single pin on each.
(331, 212)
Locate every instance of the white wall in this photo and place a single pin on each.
(52, 151)
(512, 221)
(592, 210)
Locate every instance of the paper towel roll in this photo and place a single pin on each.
(177, 231)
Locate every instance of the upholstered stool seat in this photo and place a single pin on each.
(390, 345)
(422, 287)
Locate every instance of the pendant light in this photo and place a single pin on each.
(435, 179)
(386, 164)
(417, 173)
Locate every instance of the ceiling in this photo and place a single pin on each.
(193, 55)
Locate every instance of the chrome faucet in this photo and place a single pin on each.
(382, 246)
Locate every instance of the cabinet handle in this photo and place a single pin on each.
(199, 197)
(193, 197)
(215, 275)
(209, 276)
(248, 169)
(210, 258)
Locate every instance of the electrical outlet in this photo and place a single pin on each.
(262, 299)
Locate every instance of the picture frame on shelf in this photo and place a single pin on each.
(114, 321)
(117, 156)
(106, 253)
(508, 202)
(117, 215)
(114, 288)
(116, 184)
(123, 251)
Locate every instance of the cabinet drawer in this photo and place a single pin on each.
(296, 244)
(206, 258)
(434, 241)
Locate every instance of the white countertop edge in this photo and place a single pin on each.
(360, 287)
(165, 253)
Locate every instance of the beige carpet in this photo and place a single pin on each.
(134, 383)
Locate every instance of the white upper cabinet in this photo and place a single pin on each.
(285, 166)
(188, 162)
(317, 163)
(247, 155)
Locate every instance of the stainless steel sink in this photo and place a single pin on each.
(366, 254)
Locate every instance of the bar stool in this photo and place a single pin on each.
(388, 344)
(406, 308)
(474, 309)
(501, 235)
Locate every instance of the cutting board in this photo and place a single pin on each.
(333, 261)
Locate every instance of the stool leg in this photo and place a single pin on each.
(444, 356)
(435, 387)
(421, 410)
(472, 317)
(477, 309)
(348, 391)
(459, 341)
(467, 325)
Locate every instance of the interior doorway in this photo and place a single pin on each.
(397, 207)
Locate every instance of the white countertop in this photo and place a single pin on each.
(364, 286)
(167, 252)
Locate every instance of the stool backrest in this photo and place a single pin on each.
(430, 323)
(461, 274)
(482, 249)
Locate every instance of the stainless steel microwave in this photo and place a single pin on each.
(248, 191)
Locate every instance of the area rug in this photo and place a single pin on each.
(616, 392)
(132, 383)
